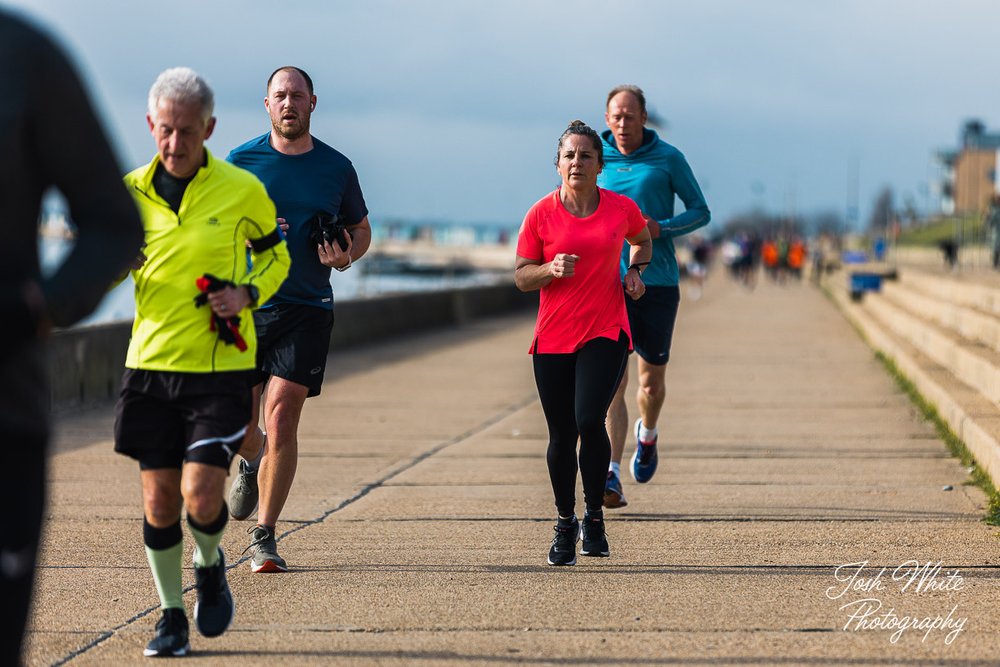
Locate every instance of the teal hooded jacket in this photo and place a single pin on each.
(652, 176)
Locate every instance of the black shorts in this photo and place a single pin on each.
(293, 342)
(651, 319)
(164, 419)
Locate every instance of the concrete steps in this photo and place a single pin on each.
(970, 321)
(943, 333)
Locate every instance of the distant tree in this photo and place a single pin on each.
(882, 211)
(764, 223)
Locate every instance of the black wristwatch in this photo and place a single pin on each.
(254, 294)
(637, 266)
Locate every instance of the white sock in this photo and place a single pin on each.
(616, 468)
(254, 463)
(646, 434)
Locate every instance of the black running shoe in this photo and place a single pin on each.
(563, 551)
(595, 540)
(171, 638)
(215, 609)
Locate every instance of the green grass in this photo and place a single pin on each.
(969, 228)
(956, 446)
(978, 477)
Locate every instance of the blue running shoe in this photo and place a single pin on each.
(645, 458)
(614, 497)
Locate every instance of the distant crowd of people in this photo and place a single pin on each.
(782, 257)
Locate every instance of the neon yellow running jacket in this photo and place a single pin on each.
(223, 208)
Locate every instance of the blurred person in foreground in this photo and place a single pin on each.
(568, 248)
(186, 393)
(50, 137)
(323, 214)
(652, 173)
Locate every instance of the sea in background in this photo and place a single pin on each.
(404, 257)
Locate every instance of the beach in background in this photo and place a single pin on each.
(404, 257)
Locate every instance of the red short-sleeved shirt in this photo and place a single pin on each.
(590, 303)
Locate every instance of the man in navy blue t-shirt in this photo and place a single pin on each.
(309, 182)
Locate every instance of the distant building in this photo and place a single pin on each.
(971, 172)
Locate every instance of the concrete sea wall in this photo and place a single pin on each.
(85, 363)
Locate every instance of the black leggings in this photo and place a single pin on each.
(575, 390)
(23, 495)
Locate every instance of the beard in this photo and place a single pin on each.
(291, 131)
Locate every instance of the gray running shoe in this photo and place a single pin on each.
(264, 551)
(243, 494)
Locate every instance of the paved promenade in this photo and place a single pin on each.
(420, 520)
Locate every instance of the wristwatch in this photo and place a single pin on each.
(254, 294)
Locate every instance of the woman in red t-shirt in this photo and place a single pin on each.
(569, 247)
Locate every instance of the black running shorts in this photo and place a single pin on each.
(651, 319)
(165, 419)
(293, 342)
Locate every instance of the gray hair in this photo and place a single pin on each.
(182, 84)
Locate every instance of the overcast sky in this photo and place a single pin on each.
(451, 109)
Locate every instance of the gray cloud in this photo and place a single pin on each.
(451, 109)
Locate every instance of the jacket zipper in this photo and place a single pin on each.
(154, 201)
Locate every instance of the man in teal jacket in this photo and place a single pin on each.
(640, 165)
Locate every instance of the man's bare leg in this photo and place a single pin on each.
(649, 396)
(253, 441)
(200, 486)
(282, 410)
(651, 392)
(244, 492)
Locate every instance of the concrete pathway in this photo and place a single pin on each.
(419, 523)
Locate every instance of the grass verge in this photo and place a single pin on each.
(955, 445)
(978, 477)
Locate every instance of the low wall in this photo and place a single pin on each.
(85, 364)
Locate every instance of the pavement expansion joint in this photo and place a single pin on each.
(474, 587)
(493, 419)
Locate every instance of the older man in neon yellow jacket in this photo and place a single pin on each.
(186, 396)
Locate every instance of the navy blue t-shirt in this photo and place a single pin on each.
(322, 180)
